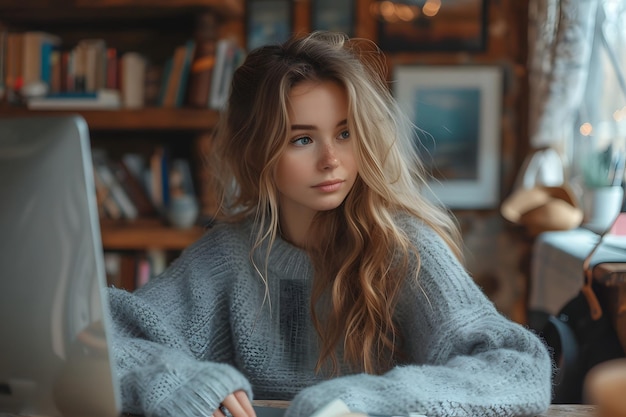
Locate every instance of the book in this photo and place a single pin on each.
(107, 177)
(121, 269)
(37, 46)
(227, 57)
(55, 82)
(181, 89)
(155, 177)
(133, 77)
(94, 53)
(14, 64)
(203, 62)
(112, 70)
(177, 75)
(149, 264)
(144, 272)
(67, 78)
(107, 206)
(165, 80)
(103, 99)
(133, 187)
(152, 84)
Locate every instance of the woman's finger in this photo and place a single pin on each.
(245, 403)
(231, 403)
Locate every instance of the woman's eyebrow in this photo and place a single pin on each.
(303, 127)
(312, 127)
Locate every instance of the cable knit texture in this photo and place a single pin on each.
(206, 328)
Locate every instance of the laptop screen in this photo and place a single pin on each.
(54, 357)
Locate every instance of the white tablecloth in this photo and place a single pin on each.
(557, 265)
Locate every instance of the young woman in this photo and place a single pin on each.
(327, 274)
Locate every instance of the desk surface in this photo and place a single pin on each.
(555, 410)
(570, 410)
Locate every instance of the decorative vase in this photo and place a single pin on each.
(183, 211)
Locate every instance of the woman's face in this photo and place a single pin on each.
(318, 167)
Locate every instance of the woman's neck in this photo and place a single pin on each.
(295, 229)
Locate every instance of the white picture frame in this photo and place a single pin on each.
(457, 110)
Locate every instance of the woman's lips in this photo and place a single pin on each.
(329, 186)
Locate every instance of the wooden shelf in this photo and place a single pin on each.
(142, 119)
(39, 10)
(142, 234)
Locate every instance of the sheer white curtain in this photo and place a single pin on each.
(577, 57)
(560, 43)
(601, 120)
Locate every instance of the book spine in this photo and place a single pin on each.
(181, 91)
(226, 63)
(165, 80)
(133, 187)
(112, 82)
(203, 63)
(133, 76)
(129, 210)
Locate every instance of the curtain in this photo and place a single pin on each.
(560, 42)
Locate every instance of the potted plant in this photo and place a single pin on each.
(603, 174)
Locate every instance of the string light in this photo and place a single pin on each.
(586, 129)
(393, 12)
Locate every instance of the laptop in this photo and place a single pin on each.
(54, 352)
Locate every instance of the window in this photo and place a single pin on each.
(599, 147)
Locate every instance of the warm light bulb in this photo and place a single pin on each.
(431, 7)
(586, 129)
(388, 11)
(405, 12)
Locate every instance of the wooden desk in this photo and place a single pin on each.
(560, 410)
(569, 410)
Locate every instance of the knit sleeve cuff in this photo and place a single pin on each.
(202, 394)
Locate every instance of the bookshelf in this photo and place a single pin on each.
(142, 233)
(151, 118)
(146, 233)
(153, 28)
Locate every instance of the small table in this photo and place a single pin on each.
(557, 272)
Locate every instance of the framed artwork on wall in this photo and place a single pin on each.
(428, 25)
(457, 114)
(268, 22)
(333, 15)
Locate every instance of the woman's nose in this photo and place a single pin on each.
(328, 158)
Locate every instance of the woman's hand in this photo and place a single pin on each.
(238, 405)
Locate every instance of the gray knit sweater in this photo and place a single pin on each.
(206, 328)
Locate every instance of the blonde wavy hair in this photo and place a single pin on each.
(359, 253)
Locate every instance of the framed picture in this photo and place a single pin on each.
(268, 22)
(456, 110)
(334, 15)
(426, 25)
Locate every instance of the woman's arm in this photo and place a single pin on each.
(171, 343)
(465, 359)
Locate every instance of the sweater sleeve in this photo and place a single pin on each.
(172, 357)
(465, 359)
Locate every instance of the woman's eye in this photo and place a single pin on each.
(344, 135)
(301, 141)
